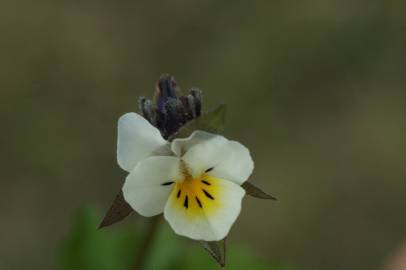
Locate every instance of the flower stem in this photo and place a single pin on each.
(147, 243)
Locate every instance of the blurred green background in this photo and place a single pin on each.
(316, 90)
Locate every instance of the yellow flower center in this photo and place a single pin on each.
(196, 196)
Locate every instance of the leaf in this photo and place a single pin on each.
(167, 252)
(217, 249)
(256, 192)
(238, 258)
(119, 210)
(85, 248)
(212, 122)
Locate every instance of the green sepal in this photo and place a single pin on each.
(118, 211)
(217, 249)
(212, 122)
(256, 192)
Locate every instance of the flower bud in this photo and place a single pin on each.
(147, 110)
(175, 116)
(165, 89)
(197, 99)
(170, 111)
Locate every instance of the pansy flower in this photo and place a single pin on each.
(195, 182)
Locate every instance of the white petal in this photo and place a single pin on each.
(147, 187)
(221, 158)
(137, 139)
(181, 146)
(209, 219)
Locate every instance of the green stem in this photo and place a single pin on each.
(147, 243)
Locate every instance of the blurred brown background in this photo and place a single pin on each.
(316, 90)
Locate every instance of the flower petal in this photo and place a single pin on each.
(204, 212)
(137, 139)
(181, 146)
(148, 186)
(220, 158)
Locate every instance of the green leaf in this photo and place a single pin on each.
(87, 248)
(217, 249)
(167, 251)
(237, 259)
(256, 192)
(212, 122)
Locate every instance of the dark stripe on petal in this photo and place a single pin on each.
(167, 183)
(198, 202)
(205, 182)
(209, 169)
(178, 195)
(208, 195)
(186, 202)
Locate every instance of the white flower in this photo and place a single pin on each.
(197, 187)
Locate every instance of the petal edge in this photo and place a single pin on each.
(137, 139)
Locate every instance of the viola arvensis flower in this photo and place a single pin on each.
(195, 181)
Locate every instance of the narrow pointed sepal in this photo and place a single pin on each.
(256, 192)
(118, 211)
(212, 122)
(217, 249)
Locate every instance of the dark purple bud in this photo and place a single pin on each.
(165, 89)
(170, 111)
(186, 102)
(197, 99)
(175, 116)
(191, 106)
(147, 110)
